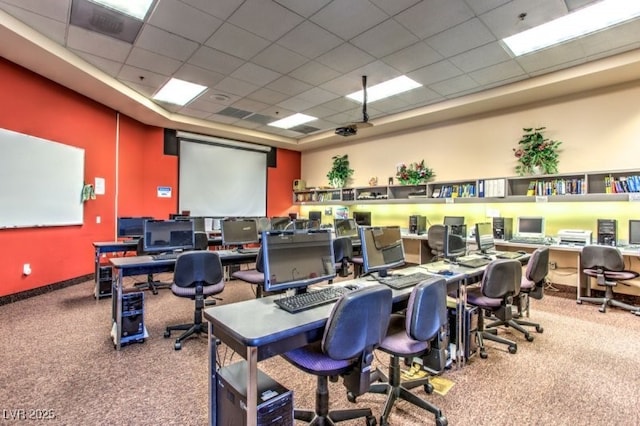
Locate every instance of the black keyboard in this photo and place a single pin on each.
(474, 262)
(528, 240)
(398, 282)
(165, 256)
(311, 299)
(248, 250)
(508, 255)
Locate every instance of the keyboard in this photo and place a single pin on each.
(398, 282)
(165, 256)
(528, 240)
(508, 255)
(248, 250)
(473, 262)
(311, 299)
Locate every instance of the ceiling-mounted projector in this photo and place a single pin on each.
(347, 130)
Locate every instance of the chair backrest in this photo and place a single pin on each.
(538, 266)
(605, 257)
(198, 267)
(342, 249)
(260, 261)
(502, 279)
(358, 322)
(201, 241)
(427, 309)
(140, 247)
(435, 239)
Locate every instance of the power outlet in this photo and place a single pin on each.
(553, 265)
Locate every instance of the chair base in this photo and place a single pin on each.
(606, 302)
(516, 324)
(190, 330)
(152, 285)
(395, 390)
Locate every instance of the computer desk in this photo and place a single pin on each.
(142, 265)
(257, 329)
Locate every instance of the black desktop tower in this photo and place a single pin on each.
(607, 232)
(503, 228)
(275, 402)
(104, 279)
(132, 318)
(470, 328)
(417, 224)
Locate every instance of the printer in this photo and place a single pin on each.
(574, 237)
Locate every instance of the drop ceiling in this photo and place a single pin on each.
(263, 60)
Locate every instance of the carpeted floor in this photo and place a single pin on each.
(58, 360)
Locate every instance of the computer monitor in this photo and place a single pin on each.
(362, 218)
(453, 220)
(530, 227)
(484, 237)
(198, 222)
(634, 232)
(315, 215)
(131, 227)
(346, 228)
(263, 224)
(296, 259)
(279, 223)
(381, 248)
(455, 241)
(168, 235)
(237, 232)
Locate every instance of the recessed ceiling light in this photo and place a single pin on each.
(386, 89)
(178, 92)
(135, 8)
(584, 21)
(292, 121)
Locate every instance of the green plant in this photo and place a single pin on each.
(340, 171)
(535, 151)
(414, 173)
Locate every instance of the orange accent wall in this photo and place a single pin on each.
(36, 106)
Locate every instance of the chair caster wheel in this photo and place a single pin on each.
(579, 302)
(177, 346)
(442, 421)
(539, 329)
(483, 355)
(167, 334)
(371, 421)
(603, 310)
(428, 388)
(333, 379)
(351, 397)
(513, 349)
(528, 337)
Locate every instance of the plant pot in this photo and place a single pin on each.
(337, 183)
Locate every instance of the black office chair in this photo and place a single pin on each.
(354, 329)
(421, 332)
(201, 241)
(606, 265)
(500, 285)
(198, 274)
(435, 240)
(150, 283)
(532, 286)
(254, 276)
(342, 255)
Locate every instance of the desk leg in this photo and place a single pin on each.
(460, 322)
(116, 328)
(213, 409)
(96, 268)
(584, 284)
(252, 386)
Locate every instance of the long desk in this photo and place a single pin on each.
(269, 331)
(141, 265)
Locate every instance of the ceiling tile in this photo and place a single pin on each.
(480, 57)
(267, 96)
(236, 41)
(255, 74)
(503, 21)
(461, 38)
(345, 58)
(191, 112)
(384, 39)
(98, 44)
(198, 75)
(419, 96)
(430, 17)
(314, 73)
(458, 84)
(165, 43)
(499, 72)
(106, 65)
(413, 57)
(317, 96)
(551, 57)
(265, 18)
(305, 8)
(439, 71)
(288, 85)
(395, 6)
(348, 18)
(51, 28)
(235, 86)
(57, 10)
(309, 40)
(219, 9)
(215, 60)
(482, 6)
(149, 78)
(151, 61)
(171, 16)
(279, 59)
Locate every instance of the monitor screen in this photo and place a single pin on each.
(531, 227)
(296, 259)
(239, 231)
(345, 227)
(168, 235)
(453, 220)
(279, 223)
(381, 248)
(455, 241)
(315, 215)
(634, 232)
(362, 218)
(131, 227)
(484, 236)
(198, 222)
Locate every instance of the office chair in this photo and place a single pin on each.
(201, 241)
(253, 276)
(353, 330)
(435, 239)
(421, 332)
(198, 274)
(500, 284)
(532, 286)
(151, 283)
(342, 255)
(606, 265)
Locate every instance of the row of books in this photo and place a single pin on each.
(557, 187)
(614, 185)
(491, 188)
(464, 190)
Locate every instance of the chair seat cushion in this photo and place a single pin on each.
(191, 291)
(312, 360)
(249, 275)
(526, 285)
(358, 260)
(612, 275)
(398, 342)
(476, 298)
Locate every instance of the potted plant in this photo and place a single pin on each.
(414, 173)
(536, 154)
(340, 171)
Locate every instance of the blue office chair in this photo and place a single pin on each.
(435, 240)
(197, 274)
(253, 276)
(354, 329)
(420, 332)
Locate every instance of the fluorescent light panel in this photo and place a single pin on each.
(178, 92)
(584, 21)
(292, 121)
(384, 90)
(135, 8)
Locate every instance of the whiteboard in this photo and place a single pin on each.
(40, 182)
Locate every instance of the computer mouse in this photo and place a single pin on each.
(351, 287)
(522, 252)
(445, 272)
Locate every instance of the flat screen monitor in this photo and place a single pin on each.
(381, 248)
(634, 232)
(455, 241)
(315, 215)
(131, 227)
(362, 218)
(263, 224)
(531, 227)
(484, 237)
(296, 259)
(279, 223)
(168, 235)
(237, 232)
(198, 222)
(453, 220)
(346, 228)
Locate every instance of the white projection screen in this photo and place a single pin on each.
(221, 180)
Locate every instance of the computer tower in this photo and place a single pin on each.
(470, 328)
(502, 228)
(132, 317)
(105, 276)
(607, 232)
(275, 402)
(417, 224)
